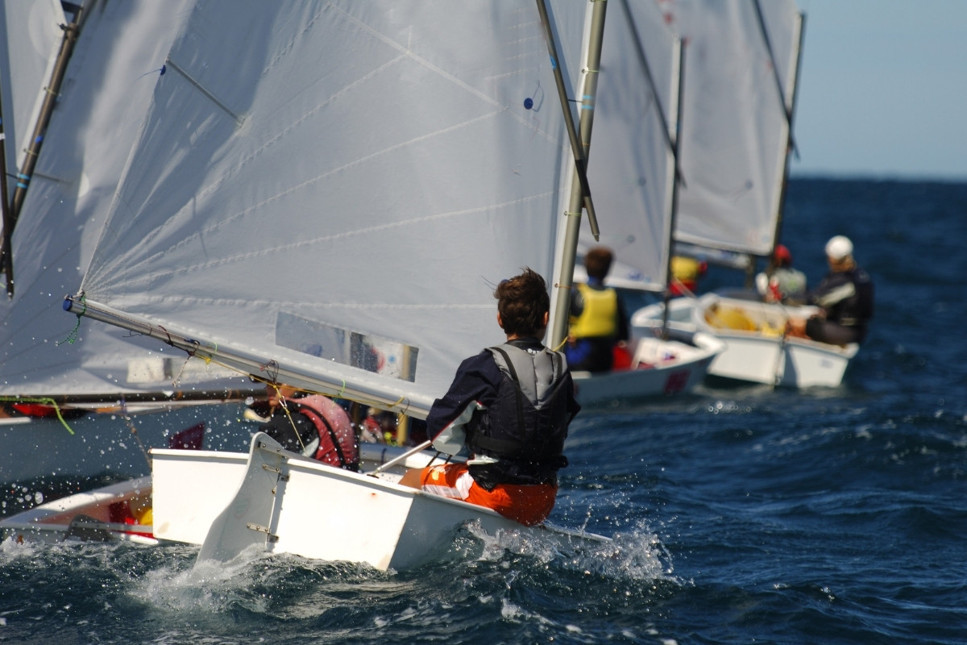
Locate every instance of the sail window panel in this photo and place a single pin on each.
(363, 351)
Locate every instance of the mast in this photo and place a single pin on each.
(558, 333)
(676, 178)
(71, 32)
(5, 258)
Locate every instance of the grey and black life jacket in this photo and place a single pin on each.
(528, 421)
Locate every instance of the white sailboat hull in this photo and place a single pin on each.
(191, 488)
(124, 510)
(756, 350)
(282, 503)
(659, 368)
(115, 512)
(273, 500)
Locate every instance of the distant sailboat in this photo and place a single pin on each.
(741, 73)
(632, 164)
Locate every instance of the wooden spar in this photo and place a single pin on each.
(579, 190)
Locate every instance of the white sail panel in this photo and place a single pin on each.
(631, 168)
(31, 38)
(106, 93)
(734, 123)
(357, 173)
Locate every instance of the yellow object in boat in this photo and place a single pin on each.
(729, 318)
(769, 330)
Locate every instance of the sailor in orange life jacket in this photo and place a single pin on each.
(598, 319)
(313, 426)
(509, 407)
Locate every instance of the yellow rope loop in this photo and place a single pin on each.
(561, 346)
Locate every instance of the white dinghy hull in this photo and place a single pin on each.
(114, 512)
(659, 368)
(756, 350)
(291, 504)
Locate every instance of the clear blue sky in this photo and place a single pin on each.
(883, 89)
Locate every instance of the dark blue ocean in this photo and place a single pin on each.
(740, 514)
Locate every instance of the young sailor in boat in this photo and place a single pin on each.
(686, 272)
(313, 426)
(781, 282)
(514, 403)
(598, 320)
(845, 296)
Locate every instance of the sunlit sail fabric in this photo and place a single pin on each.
(328, 192)
(734, 121)
(29, 41)
(105, 95)
(631, 164)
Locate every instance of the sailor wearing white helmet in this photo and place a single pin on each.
(845, 297)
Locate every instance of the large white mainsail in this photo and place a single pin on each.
(738, 102)
(105, 95)
(326, 193)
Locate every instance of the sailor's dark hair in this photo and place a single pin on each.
(522, 302)
(597, 262)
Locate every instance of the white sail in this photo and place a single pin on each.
(30, 38)
(631, 166)
(327, 193)
(735, 120)
(105, 95)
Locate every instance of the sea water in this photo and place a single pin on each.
(739, 514)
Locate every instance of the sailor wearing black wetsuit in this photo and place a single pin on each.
(845, 295)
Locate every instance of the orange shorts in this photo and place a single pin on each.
(528, 504)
